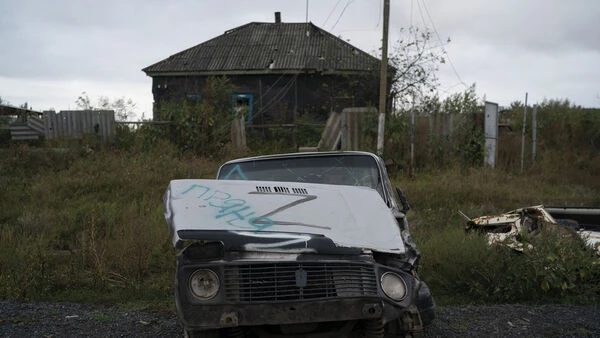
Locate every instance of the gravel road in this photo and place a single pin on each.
(18, 319)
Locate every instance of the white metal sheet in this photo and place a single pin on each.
(349, 216)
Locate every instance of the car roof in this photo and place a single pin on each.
(303, 154)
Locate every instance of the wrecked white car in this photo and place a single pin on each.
(305, 244)
(512, 227)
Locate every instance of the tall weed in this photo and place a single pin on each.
(85, 222)
(462, 268)
(90, 224)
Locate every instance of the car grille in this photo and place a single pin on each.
(298, 281)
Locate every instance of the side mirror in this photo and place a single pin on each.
(403, 201)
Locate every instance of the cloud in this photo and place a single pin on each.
(54, 50)
(549, 26)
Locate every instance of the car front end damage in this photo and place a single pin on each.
(273, 258)
(278, 292)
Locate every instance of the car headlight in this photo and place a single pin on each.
(393, 286)
(204, 284)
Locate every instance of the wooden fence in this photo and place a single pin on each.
(75, 123)
(69, 123)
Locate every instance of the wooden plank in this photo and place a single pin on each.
(46, 124)
(68, 123)
(102, 125)
(59, 125)
(110, 125)
(92, 123)
(331, 132)
(238, 133)
(53, 121)
(352, 121)
(76, 123)
(262, 126)
(24, 137)
(13, 111)
(23, 132)
(36, 124)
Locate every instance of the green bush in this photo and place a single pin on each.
(462, 268)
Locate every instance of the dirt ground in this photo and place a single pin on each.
(18, 319)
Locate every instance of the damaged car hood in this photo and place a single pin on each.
(280, 216)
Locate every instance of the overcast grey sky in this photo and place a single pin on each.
(54, 50)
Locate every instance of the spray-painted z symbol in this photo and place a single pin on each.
(304, 199)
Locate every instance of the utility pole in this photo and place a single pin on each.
(523, 134)
(383, 77)
(412, 138)
(533, 132)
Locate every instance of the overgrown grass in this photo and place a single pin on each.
(462, 268)
(89, 226)
(84, 223)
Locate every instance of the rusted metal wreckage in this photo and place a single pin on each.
(512, 228)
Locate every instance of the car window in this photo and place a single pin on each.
(357, 170)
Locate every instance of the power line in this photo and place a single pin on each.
(441, 43)
(331, 12)
(380, 12)
(348, 2)
(423, 21)
(411, 11)
(282, 92)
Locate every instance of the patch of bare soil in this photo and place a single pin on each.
(18, 319)
(516, 321)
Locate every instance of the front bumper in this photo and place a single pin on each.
(215, 316)
(269, 293)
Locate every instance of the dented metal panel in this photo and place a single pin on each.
(508, 229)
(288, 213)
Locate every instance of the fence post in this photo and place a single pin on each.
(533, 132)
(523, 133)
(491, 133)
(238, 133)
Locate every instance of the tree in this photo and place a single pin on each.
(201, 126)
(83, 102)
(416, 60)
(124, 108)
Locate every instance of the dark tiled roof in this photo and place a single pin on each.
(268, 47)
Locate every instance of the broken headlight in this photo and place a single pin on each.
(204, 284)
(393, 286)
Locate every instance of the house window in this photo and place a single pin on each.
(193, 97)
(242, 105)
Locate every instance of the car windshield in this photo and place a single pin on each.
(356, 170)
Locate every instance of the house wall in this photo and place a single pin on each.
(280, 98)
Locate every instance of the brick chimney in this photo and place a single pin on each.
(277, 17)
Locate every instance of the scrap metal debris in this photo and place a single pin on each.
(512, 227)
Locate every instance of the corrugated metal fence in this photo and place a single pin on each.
(67, 123)
(75, 123)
